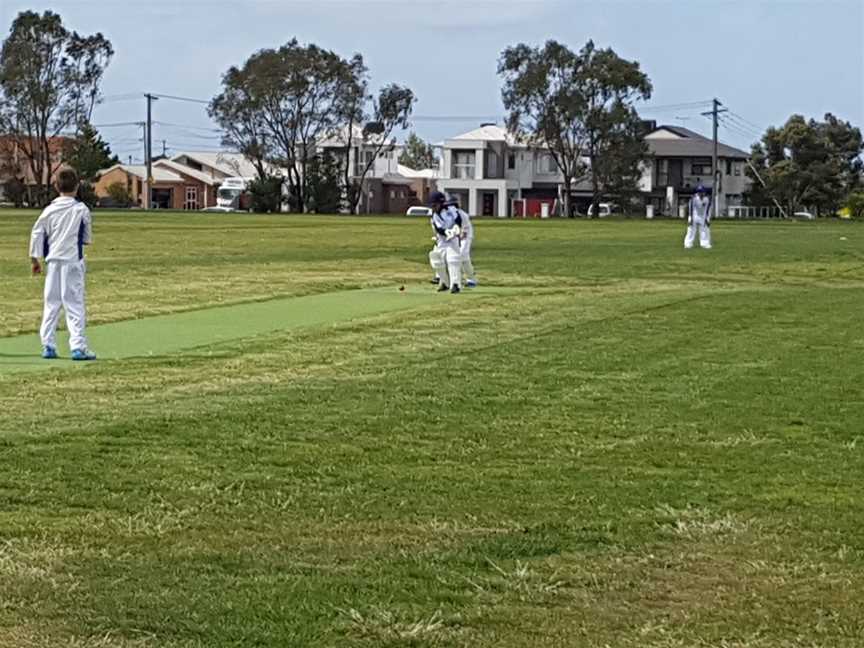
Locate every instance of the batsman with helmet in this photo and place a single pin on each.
(446, 257)
(699, 220)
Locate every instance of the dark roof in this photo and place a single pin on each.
(690, 144)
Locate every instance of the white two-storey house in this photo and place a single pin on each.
(493, 174)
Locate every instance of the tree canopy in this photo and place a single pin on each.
(418, 154)
(89, 153)
(580, 107)
(49, 85)
(807, 163)
(282, 104)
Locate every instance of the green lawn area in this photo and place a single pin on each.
(613, 443)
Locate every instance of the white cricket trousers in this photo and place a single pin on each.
(467, 265)
(64, 288)
(697, 223)
(446, 260)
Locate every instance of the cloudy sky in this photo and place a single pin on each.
(765, 59)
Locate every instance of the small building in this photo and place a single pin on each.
(422, 181)
(15, 162)
(175, 186)
(219, 165)
(385, 190)
(492, 173)
(681, 160)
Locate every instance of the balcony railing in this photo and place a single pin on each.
(463, 171)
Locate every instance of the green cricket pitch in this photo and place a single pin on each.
(163, 335)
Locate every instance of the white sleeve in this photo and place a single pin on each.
(87, 226)
(438, 223)
(37, 238)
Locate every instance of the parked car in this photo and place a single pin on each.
(605, 209)
(419, 211)
(805, 215)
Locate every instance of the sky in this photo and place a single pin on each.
(764, 59)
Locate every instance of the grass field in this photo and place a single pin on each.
(613, 443)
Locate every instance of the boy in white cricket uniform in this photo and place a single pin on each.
(59, 237)
(467, 238)
(699, 220)
(446, 257)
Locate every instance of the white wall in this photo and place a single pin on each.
(646, 180)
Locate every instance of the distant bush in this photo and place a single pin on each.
(266, 195)
(324, 194)
(855, 203)
(15, 192)
(87, 194)
(119, 195)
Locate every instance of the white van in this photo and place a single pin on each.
(419, 211)
(605, 209)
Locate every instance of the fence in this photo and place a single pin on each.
(753, 212)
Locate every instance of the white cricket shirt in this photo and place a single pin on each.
(61, 231)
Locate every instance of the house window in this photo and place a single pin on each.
(511, 161)
(191, 198)
(392, 194)
(737, 167)
(701, 167)
(546, 164)
(728, 167)
(463, 164)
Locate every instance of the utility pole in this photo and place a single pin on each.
(715, 187)
(164, 148)
(148, 151)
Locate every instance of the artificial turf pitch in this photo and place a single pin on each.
(163, 335)
(613, 443)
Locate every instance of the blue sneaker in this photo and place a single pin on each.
(471, 283)
(83, 354)
(49, 352)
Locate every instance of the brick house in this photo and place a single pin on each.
(175, 186)
(15, 163)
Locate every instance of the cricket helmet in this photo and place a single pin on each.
(436, 197)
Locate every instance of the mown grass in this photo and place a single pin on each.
(642, 448)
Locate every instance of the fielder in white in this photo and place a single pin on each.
(446, 257)
(467, 238)
(59, 237)
(699, 220)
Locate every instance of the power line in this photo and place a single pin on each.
(426, 118)
(176, 98)
(116, 98)
(746, 121)
(673, 107)
(733, 127)
(743, 126)
(190, 127)
(455, 118)
(118, 124)
(210, 138)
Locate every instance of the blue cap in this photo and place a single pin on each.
(437, 197)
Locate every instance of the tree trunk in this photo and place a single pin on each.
(565, 198)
